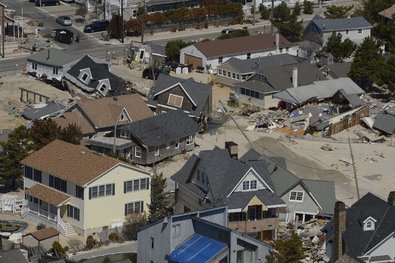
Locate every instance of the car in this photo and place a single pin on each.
(64, 20)
(228, 31)
(69, 1)
(47, 2)
(147, 73)
(95, 26)
(63, 35)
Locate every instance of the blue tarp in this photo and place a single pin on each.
(197, 249)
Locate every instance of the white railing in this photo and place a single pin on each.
(24, 211)
(61, 225)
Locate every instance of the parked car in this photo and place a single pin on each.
(69, 1)
(95, 26)
(228, 31)
(63, 35)
(147, 73)
(47, 2)
(64, 20)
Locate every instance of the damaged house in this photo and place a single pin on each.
(385, 121)
(328, 106)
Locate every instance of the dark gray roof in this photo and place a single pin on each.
(353, 99)
(385, 121)
(53, 57)
(339, 70)
(329, 25)
(324, 193)
(358, 241)
(251, 65)
(99, 71)
(224, 173)
(50, 110)
(157, 49)
(13, 255)
(199, 92)
(255, 85)
(162, 128)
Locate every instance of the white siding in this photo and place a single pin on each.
(251, 176)
(387, 248)
(353, 35)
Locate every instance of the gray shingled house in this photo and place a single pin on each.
(305, 199)
(216, 178)
(366, 230)
(158, 137)
(93, 75)
(172, 93)
(201, 236)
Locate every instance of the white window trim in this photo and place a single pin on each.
(82, 77)
(369, 220)
(135, 152)
(177, 96)
(299, 201)
(248, 188)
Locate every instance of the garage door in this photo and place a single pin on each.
(192, 60)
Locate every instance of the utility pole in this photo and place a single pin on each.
(22, 22)
(353, 167)
(272, 15)
(122, 26)
(253, 12)
(104, 9)
(142, 20)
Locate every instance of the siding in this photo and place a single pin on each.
(186, 104)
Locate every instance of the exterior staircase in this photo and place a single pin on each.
(69, 229)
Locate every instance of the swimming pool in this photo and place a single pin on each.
(12, 226)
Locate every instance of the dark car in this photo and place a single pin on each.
(228, 31)
(47, 2)
(63, 35)
(96, 26)
(147, 73)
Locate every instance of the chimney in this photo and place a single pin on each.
(295, 77)
(277, 42)
(232, 149)
(391, 198)
(339, 226)
(48, 54)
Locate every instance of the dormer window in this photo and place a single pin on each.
(84, 76)
(369, 224)
(175, 100)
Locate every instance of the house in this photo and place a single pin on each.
(14, 255)
(385, 121)
(387, 14)
(150, 53)
(93, 75)
(48, 110)
(354, 28)
(200, 236)
(43, 238)
(151, 140)
(75, 190)
(172, 93)
(258, 90)
(366, 230)
(167, 5)
(305, 199)
(210, 54)
(216, 177)
(50, 64)
(338, 70)
(100, 116)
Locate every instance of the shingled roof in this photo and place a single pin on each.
(241, 45)
(338, 24)
(70, 162)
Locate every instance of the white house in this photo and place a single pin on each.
(210, 54)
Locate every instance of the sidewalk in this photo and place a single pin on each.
(113, 248)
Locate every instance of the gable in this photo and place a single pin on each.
(308, 201)
(255, 201)
(164, 98)
(248, 182)
(384, 248)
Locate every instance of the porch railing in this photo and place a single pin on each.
(61, 225)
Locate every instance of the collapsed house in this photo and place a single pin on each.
(328, 106)
(385, 121)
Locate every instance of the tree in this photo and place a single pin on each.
(338, 48)
(173, 48)
(264, 11)
(71, 134)
(134, 222)
(368, 64)
(307, 7)
(335, 11)
(287, 250)
(160, 205)
(291, 29)
(297, 9)
(15, 149)
(281, 13)
(44, 132)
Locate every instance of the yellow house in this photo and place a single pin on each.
(76, 190)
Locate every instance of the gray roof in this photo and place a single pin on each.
(99, 71)
(339, 70)
(319, 89)
(13, 255)
(338, 24)
(157, 49)
(358, 241)
(199, 92)
(251, 65)
(224, 173)
(385, 121)
(353, 99)
(53, 57)
(162, 128)
(324, 193)
(49, 110)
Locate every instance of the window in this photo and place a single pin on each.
(176, 230)
(101, 190)
(189, 140)
(137, 151)
(238, 76)
(219, 71)
(229, 74)
(281, 50)
(359, 31)
(296, 196)
(224, 73)
(134, 207)
(37, 176)
(253, 184)
(157, 151)
(369, 224)
(34, 65)
(246, 185)
(177, 145)
(152, 242)
(84, 76)
(248, 55)
(175, 100)
(55, 71)
(136, 185)
(28, 172)
(58, 183)
(347, 31)
(234, 75)
(103, 87)
(73, 212)
(220, 59)
(79, 192)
